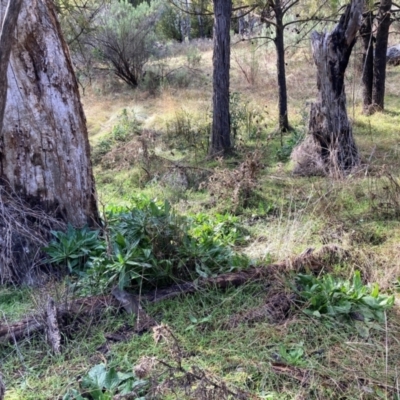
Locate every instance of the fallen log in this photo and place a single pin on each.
(309, 260)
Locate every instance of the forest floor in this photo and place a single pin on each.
(220, 336)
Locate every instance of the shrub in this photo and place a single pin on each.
(147, 244)
(128, 126)
(74, 247)
(126, 38)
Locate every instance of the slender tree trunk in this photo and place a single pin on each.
(241, 27)
(9, 22)
(220, 135)
(368, 59)
(187, 21)
(329, 124)
(44, 147)
(382, 36)
(201, 26)
(280, 52)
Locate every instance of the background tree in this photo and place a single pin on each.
(281, 15)
(44, 160)
(182, 14)
(329, 126)
(381, 44)
(220, 133)
(366, 33)
(375, 36)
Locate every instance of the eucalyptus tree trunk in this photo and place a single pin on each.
(280, 52)
(382, 36)
(220, 134)
(368, 59)
(329, 124)
(44, 148)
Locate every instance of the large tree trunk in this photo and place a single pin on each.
(382, 36)
(280, 52)
(368, 59)
(45, 157)
(220, 135)
(329, 125)
(6, 40)
(44, 148)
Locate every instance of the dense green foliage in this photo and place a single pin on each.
(147, 243)
(335, 297)
(103, 384)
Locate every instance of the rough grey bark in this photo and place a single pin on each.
(329, 124)
(382, 36)
(280, 52)
(44, 153)
(220, 134)
(45, 168)
(6, 40)
(368, 59)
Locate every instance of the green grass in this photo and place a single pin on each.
(337, 359)
(302, 357)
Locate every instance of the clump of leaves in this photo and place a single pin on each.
(74, 247)
(332, 297)
(147, 244)
(294, 355)
(224, 228)
(103, 384)
(152, 237)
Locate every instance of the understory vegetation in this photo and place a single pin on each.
(321, 323)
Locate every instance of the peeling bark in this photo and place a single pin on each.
(6, 41)
(44, 147)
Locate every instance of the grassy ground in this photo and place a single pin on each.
(301, 357)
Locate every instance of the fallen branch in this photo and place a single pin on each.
(310, 260)
(53, 332)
